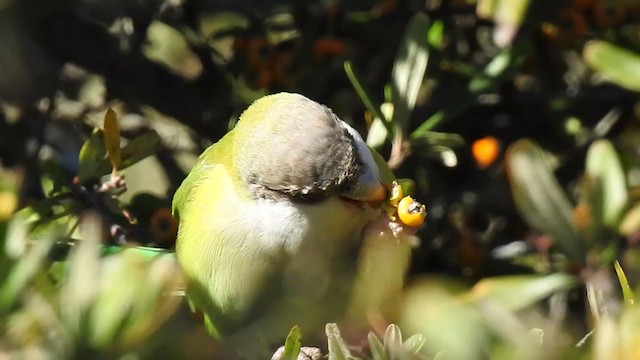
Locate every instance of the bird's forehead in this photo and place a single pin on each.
(296, 145)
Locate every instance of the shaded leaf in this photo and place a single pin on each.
(376, 347)
(137, 149)
(363, 92)
(540, 199)
(91, 157)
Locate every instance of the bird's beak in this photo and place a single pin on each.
(368, 188)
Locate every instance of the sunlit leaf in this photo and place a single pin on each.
(392, 338)
(435, 36)
(26, 267)
(607, 186)
(508, 16)
(292, 344)
(414, 343)
(631, 221)
(337, 347)
(112, 306)
(627, 293)
(409, 69)
(81, 287)
(112, 137)
(616, 64)
(519, 291)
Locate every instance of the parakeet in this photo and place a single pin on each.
(272, 219)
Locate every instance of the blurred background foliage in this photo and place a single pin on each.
(518, 120)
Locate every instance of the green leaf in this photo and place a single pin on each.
(606, 184)
(92, 155)
(27, 266)
(111, 139)
(337, 348)
(409, 69)
(113, 304)
(616, 64)
(510, 11)
(486, 80)
(393, 341)
(435, 36)
(415, 343)
(362, 91)
(292, 344)
(540, 199)
(482, 82)
(376, 347)
(631, 221)
(627, 293)
(137, 149)
(429, 139)
(519, 291)
(82, 287)
(140, 148)
(379, 132)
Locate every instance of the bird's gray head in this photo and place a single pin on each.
(292, 146)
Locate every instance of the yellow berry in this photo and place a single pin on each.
(411, 212)
(396, 194)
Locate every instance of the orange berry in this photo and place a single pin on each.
(163, 225)
(326, 47)
(284, 70)
(259, 52)
(485, 151)
(581, 4)
(411, 212)
(608, 15)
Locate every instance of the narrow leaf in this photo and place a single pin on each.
(409, 69)
(393, 341)
(519, 291)
(362, 91)
(292, 344)
(337, 348)
(376, 347)
(608, 189)
(540, 199)
(627, 293)
(415, 343)
(91, 156)
(112, 137)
